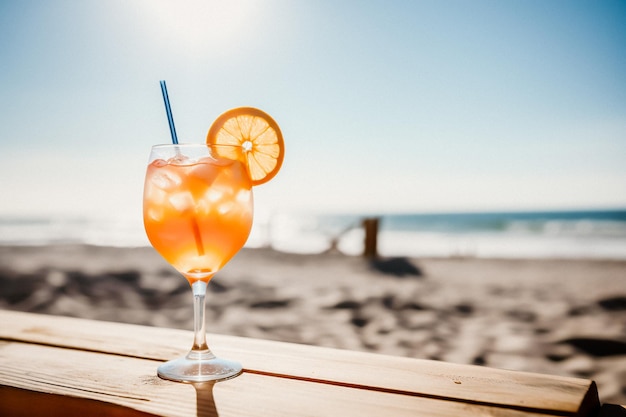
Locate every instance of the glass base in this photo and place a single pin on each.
(199, 367)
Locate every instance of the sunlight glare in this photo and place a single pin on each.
(198, 24)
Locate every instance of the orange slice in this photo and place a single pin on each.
(251, 136)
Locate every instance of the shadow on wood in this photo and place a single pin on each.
(612, 410)
(205, 404)
(16, 402)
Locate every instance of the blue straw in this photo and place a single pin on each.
(168, 110)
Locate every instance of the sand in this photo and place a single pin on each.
(560, 317)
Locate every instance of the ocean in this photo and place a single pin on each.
(597, 234)
(540, 234)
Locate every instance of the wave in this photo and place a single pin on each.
(563, 234)
(101, 231)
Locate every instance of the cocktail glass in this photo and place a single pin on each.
(197, 211)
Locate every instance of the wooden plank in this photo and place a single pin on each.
(103, 380)
(432, 379)
(16, 402)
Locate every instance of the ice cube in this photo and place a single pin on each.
(159, 163)
(205, 172)
(182, 201)
(180, 159)
(243, 196)
(166, 180)
(225, 207)
(214, 195)
(200, 176)
(155, 213)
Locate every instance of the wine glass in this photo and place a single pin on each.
(197, 211)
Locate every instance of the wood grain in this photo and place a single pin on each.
(108, 361)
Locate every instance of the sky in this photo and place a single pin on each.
(385, 106)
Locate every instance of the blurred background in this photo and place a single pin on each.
(402, 107)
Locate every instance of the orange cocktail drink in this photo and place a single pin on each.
(197, 209)
(197, 212)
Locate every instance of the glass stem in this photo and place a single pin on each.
(199, 325)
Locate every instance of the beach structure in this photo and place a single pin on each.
(370, 243)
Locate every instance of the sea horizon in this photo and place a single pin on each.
(575, 233)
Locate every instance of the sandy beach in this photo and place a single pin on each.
(561, 317)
